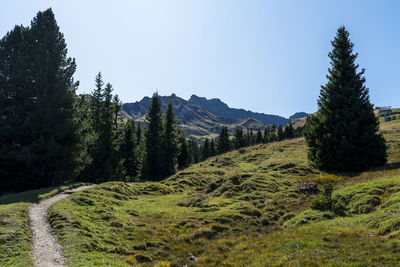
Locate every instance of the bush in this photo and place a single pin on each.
(323, 203)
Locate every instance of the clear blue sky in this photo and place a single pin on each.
(266, 56)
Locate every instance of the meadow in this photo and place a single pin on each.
(239, 208)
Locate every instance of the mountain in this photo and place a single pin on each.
(220, 109)
(200, 117)
(298, 115)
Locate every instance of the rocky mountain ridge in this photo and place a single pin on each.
(200, 117)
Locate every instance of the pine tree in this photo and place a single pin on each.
(205, 150)
(238, 140)
(259, 138)
(289, 132)
(38, 88)
(183, 158)
(194, 149)
(280, 133)
(343, 136)
(87, 137)
(128, 152)
(152, 162)
(272, 136)
(17, 100)
(96, 102)
(266, 134)
(223, 141)
(117, 108)
(169, 141)
(106, 136)
(213, 151)
(140, 149)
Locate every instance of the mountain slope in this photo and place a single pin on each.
(220, 109)
(200, 117)
(196, 121)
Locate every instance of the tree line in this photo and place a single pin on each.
(49, 135)
(241, 138)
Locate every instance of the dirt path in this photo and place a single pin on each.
(46, 250)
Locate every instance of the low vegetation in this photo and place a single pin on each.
(240, 208)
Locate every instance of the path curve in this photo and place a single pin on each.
(47, 251)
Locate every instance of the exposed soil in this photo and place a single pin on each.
(46, 250)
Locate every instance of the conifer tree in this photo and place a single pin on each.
(128, 152)
(37, 86)
(169, 141)
(52, 119)
(140, 148)
(195, 152)
(343, 136)
(238, 138)
(205, 150)
(289, 132)
(106, 136)
(223, 141)
(16, 101)
(86, 135)
(117, 108)
(272, 136)
(266, 134)
(183, 158)
(259, 138)
(153, 149)
(280, 133)
(213, 151)
(96, 102)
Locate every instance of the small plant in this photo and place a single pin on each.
(326, 203)
(323, 203)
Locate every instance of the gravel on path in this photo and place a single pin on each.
(46, 250)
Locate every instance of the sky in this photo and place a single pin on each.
(267, 56)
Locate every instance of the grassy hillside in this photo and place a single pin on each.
(240, 208)
(15, 239)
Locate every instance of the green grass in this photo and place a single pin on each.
(237, 209)
(15, 240)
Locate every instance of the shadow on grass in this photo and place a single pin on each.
(31, 196)
(34, 196)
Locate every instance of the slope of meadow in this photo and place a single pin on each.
(239, 208)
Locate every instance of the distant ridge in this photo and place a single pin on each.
(220, 109)
(200, 117)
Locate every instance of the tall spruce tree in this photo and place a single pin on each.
(259, 138)
(213, 150)
(205, 150)
(169, 141)
(343, 135)
(140, 149)
(194, 149)
(289, 131)
(129, 152)
(224, 144)
(39, 89)
(153, 149)
(17, 100)
(280, 133)
(238, 140)
(106, 136)
(183, 157)
(96, 102)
